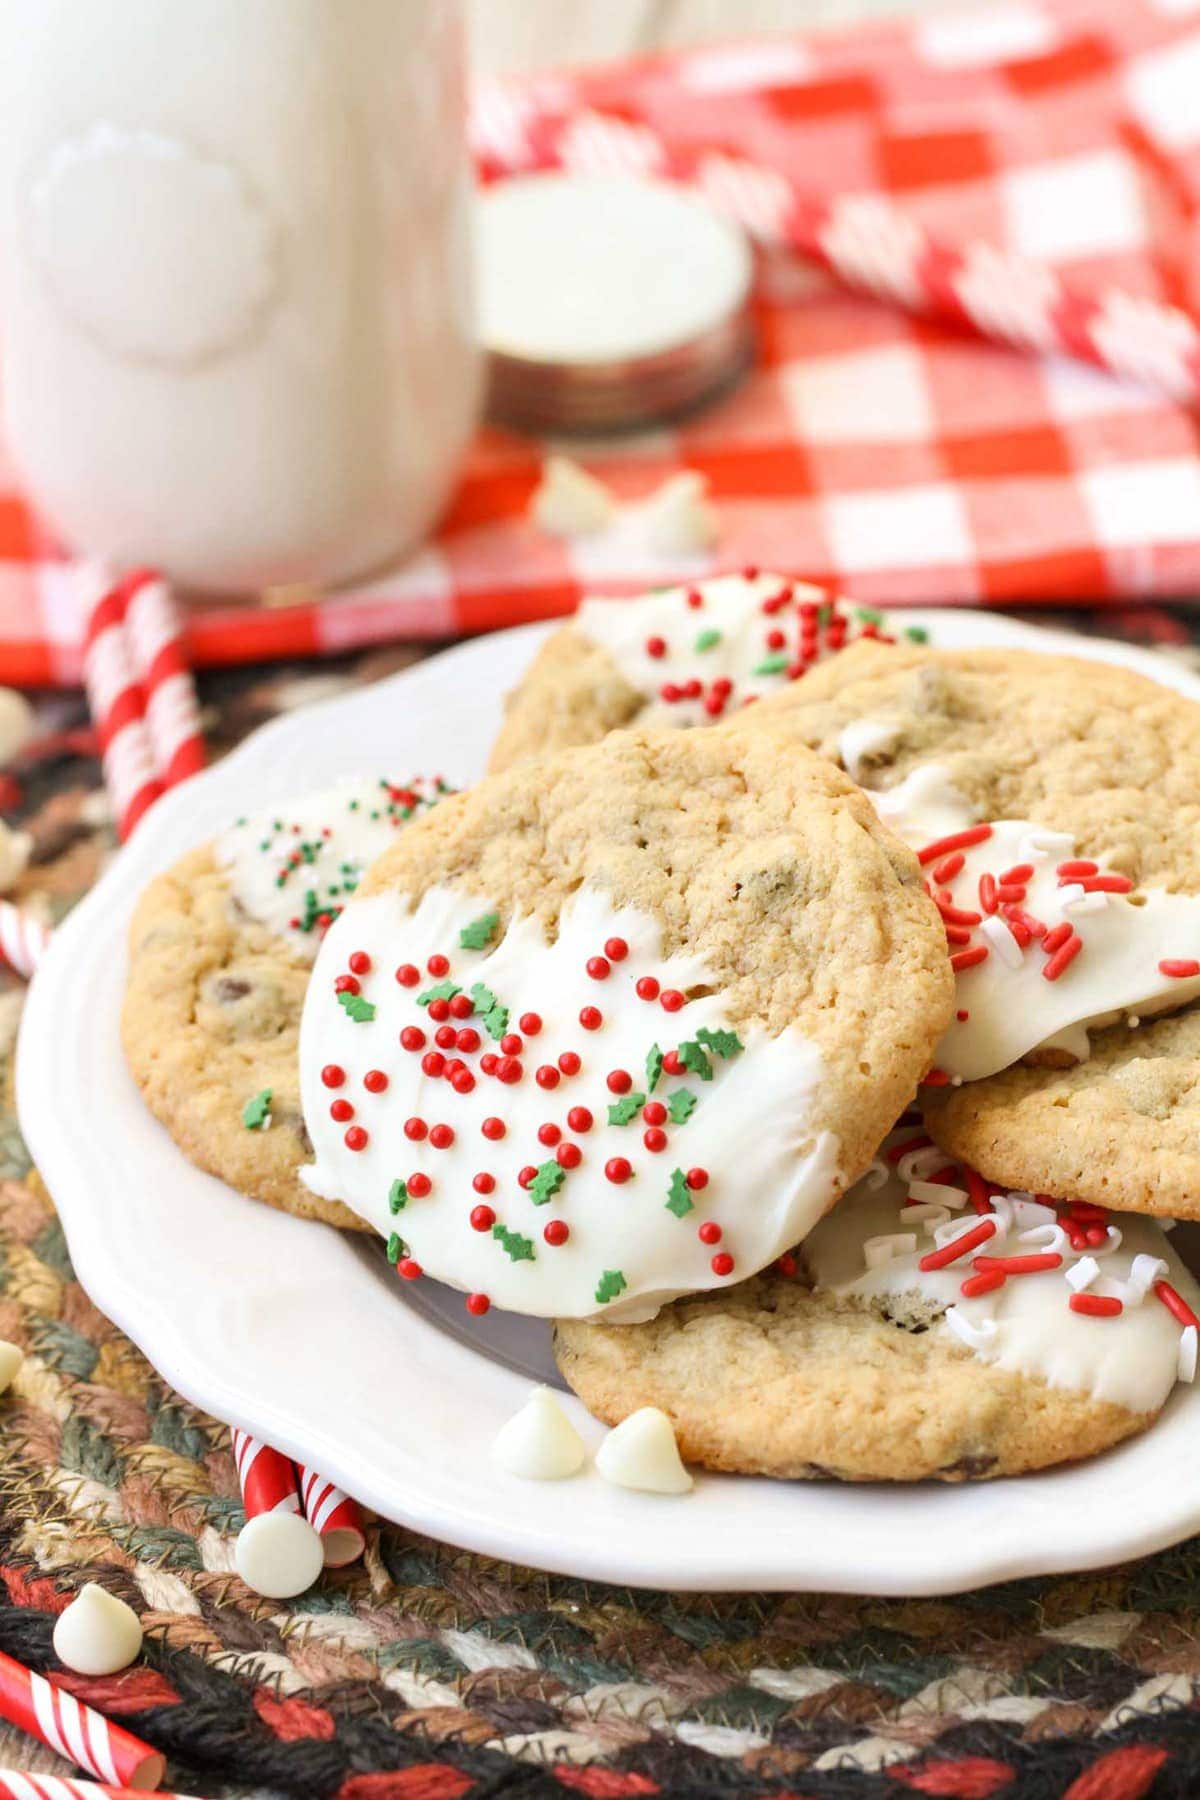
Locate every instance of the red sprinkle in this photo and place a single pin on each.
(1100, 1306)
(697, 1179)
(654, 1139)
(412, 1038)
(787, 1265)
(438, 965)
(969, 959)
(960, 1246)
(557, 1232)
(672, 1064)
(478, 1304)
(957, 934)
(547, 1076)
(568, 1156)
(461, 1006)
(1175, 1304)
(580, 1119)
(956, 915)
(333, 1075)
(935, 1078)
(949, 867)
(526, 1176)
(1018, 873)
(958, 840)
(467, 1039)
(1017, 1265)
(654, 1112)
(483, 1183)
(962, 1015)
(410, 1270)
(1077, 867)
(360, 962)
(493, 1128)
(569, 1063)
(987, 893)
(618, 1081)
(591, 1018)
(439, 1011)
(1182, 968)
(1062, 958)
(671, 1000)
(647, 988)
(346, 984)
(1106, 884)
(340, 1111)
(408, 974)
(982, 1284)
(356, 1139)
(530, 1023)
(415, 1129)
(709, 1232)
(488, 1061)
(442, 1136)
(511, 1044)
(694, 598)
(616, 949)
(722, 1263)
(656, 646)
(433, 1062)
(419, 1185)
(445, 1037)
(482, 1217)
(508, 1070)
(549, 1134)
(618, 1169)
(599, 968)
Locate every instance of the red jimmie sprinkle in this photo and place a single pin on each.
(1017, 1265)
(960, 1246)
(987, 893)
(1099, 1306)
(1055, 939)
(1181, 968)
(1019, 872)
(1175, 1304)
(978, 1190)
(982, 1284)
(949, 867)
(969, 959)
(955, 915)
(1106, 884)
(1077, 867)
(1063, 957)
(958, 840)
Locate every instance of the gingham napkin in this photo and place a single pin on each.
(871, 448)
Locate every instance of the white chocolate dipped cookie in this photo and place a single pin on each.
(1055, 808)
(913, 1336)
(677, 656)
(621, 1023)
(220, 951)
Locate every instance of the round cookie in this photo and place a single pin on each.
(620, 1022)
(864, 1366)
(676, 656)
(1122, 1129)
(220, 952)
(1055, 807)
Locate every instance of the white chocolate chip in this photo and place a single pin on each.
(863, 743)
(539, 1443)
(278, 1555)
(641, 1452)
(569, 502)
(10, 1361)
(97, 1634)
(678, 518)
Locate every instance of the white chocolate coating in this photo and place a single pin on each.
(770, 1174)
(744, 650)
(98, 1634)
(539, 1442)
(338, 831)
(1012, 1007)
(641, 1453)
(1026, 1325)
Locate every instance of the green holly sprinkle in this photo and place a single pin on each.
(493, 1016)
(444, 990)
(398, 1196)
(867, 615)
(480, 932)
(692, 1057)
(681, 1106)
(610, 1284)
(626, 1109)
(396, 1248)
(519, 1248)
(256, 1112)
(771, 665)
(916, 634)
(356, 1008)
(721, 1043)
(679, 1195)
(708, 640)
(654, 1063)
(546, 1182)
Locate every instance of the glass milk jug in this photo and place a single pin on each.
(235, 300)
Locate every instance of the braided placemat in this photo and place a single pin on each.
(426, 1673)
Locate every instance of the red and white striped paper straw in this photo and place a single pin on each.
(156, 639)
(334, 1517)
(23, 938)
(266, 1477)
(117, 702)
(875, 247)
(75, 1731)
(17, 1784)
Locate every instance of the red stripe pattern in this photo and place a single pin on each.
(266, 1478)
(334, 1517)
(76, 1732)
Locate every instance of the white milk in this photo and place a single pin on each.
(235, 302)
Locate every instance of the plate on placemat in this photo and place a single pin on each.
(303, 1336)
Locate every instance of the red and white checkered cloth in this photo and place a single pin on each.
(873, 449)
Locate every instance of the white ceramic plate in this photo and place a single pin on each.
(304, 1336)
